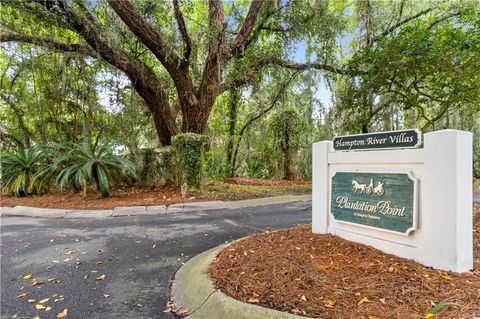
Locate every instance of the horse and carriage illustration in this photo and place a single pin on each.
(368, 189)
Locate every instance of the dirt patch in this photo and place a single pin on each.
(149, 196)
(323, 276)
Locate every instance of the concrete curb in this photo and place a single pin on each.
(193, 289)
(25, 211)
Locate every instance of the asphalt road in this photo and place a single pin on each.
(138, 256)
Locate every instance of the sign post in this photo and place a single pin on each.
(384, 201)
(415, 203)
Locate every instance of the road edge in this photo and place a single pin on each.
(36, 212)
(193, 289)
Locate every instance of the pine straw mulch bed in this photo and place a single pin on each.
(323, 276)
(139, 195)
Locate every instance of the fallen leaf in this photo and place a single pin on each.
(99, 262)
(183, 311)
(303, 298)
(432, 312)
(106, 295)
(36, 282)
(253, 300)
(48, 309)
(62, 314)
(168, 306)
(100, 277)
(43, 301)
(31, 300)
(367, 299)
(27, 276)
(330, 303)
(55, 261)
(447, 277)
(36, 317)
(21, 295)
(139, 305)
(39, 307)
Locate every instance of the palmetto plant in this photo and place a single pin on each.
(85, 162)
(20, 172)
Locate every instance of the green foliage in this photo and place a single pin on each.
(188, 152)
(476, 162)
(19, 172)
(415, 76)
(85, 162)
(425, 73)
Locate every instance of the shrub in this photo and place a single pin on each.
(20, 172)
(85, 162)
(188, 152)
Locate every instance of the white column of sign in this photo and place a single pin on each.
(446, 201)
(320, 187)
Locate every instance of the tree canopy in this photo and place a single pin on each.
(258, 77)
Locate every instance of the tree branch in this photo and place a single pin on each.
(145, 33)
(443, 18)
(209, 85)
(183, 30)
(240, 42)
(47, 43)
(401, 23)
(261, 63)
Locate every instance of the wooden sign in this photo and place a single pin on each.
(385, 201)
(376, 141)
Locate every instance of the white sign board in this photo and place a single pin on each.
(442, 236)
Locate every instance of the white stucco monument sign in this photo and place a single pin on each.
(382, 190)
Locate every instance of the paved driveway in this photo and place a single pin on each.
(138, 255)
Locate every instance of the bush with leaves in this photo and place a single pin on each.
(21, 172)
(85, 162)
(188, 153)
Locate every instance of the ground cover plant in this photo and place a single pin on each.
(31, 171)
(324, 276)
(84, 162)
(21, 170)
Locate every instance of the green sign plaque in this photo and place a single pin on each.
(376, 141)
(385, 201)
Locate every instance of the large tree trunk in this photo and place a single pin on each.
(159, 106)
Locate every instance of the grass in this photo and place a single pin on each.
(229, 191)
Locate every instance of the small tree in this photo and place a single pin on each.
(19, 171)
(85, 162)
